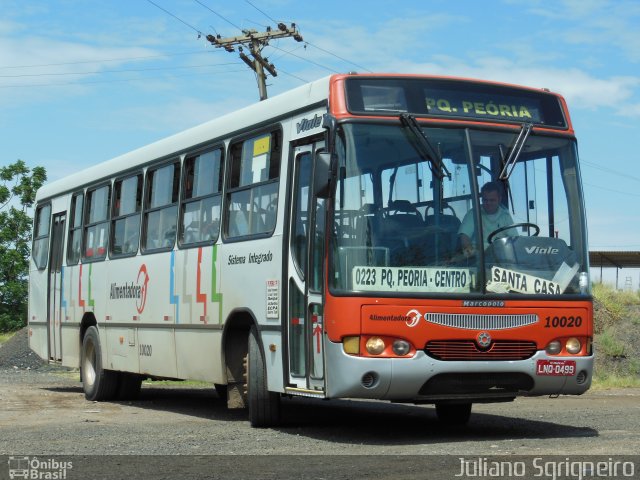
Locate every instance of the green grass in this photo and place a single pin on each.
(609, 381)
(615, 303)
(608, 345)
(6, 336)
(614, 299)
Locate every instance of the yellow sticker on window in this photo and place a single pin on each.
(261, 145)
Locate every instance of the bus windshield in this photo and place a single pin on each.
(403, 224)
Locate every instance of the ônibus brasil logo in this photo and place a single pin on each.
(137, 290)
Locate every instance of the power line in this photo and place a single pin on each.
(339, 57)
(177, 18)
(216, 13)
(270, 18)
(121, 59)
(294, 76)
(122, 80)
(305, 59)
(611, 190)
(256, 23)
(609, 170)
(126, 70)
(286, 52)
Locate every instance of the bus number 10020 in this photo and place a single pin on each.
(563, 322)
(145, 350)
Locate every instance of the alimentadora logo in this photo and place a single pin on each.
(131, 290)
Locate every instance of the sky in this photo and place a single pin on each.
(82, 81)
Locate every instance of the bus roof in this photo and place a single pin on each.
(260, 113)
(219, 128)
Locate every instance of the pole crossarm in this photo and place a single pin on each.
(255, 41)
(254, 35)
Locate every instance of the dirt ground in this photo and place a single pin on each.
(44, 413)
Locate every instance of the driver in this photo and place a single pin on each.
(493, 214)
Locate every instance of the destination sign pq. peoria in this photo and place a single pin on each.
(412, 279)
(484, 106)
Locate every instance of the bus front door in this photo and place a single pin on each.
(305, 330)
(56, 271)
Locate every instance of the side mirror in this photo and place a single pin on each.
(322, 174)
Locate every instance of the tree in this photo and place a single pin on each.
(17, 196)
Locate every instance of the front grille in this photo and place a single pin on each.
(480, 322)
(452, 350)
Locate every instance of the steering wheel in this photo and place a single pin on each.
(502, 229)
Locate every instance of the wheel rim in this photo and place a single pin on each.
(88, 366)
(245, 387)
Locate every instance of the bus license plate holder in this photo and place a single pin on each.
(556, 368)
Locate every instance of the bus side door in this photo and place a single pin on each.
(305, 332)
(54, 296)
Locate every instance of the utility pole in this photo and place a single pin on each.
(255, 41)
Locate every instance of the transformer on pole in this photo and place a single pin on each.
(254, 42)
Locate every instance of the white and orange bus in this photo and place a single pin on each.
(329, 242)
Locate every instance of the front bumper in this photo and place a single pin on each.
(413, 379)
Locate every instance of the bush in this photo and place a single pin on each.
(11, 323)
(608, 345)
(610, 305)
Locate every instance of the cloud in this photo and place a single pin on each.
(391, 47)
(30, 64)
(580, 88)
(600, 24)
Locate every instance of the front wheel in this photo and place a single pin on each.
(264, 406)
(97, 383)
(453, 413)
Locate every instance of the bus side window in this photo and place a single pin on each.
(253, 185)
(300, 227)
(41, 236)
(74, 247)
(125, 224)
(161, 207)
(96, 223)
(202, 186)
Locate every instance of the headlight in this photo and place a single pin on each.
(573, 346)
(375, 346)
(401, 347)
(554, 347)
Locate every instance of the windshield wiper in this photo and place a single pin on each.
(514, 153)
(424, 147)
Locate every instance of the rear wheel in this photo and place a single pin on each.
(97, 383)
(453, 413)
(264, 406)
(128, 386)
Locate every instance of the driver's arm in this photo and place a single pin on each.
(465, 232)
(465, 243)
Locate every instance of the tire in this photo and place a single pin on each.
(128, 386)
(264, 406)
(221, 390)
(453, 413)
(98, 384)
